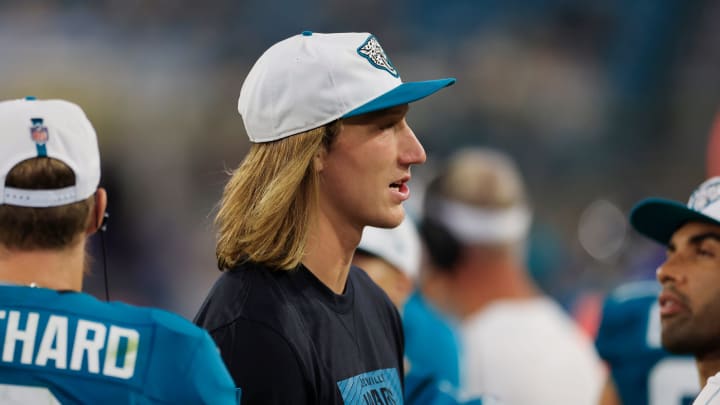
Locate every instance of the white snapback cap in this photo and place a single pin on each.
(312, 79)
(399, 246)
(56, 129)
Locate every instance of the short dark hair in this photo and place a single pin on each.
(51, 228)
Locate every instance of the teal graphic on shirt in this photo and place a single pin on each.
(379, 387)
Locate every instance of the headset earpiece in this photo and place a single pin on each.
(104, 224)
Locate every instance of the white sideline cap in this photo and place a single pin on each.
(311, 79)
(56, 129)
(399, 246)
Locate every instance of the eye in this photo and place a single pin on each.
(387, 125)
(707, 250)
(705, 253)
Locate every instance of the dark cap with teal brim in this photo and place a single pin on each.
(658, 218)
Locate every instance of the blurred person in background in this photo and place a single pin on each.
(713, 149)
(423, 325)
(392, 257)
(332, 153)
(518, 344)
(58, 344)
(689, 302)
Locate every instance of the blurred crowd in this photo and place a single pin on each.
(599, 103)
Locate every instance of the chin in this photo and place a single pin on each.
(391, 220)
(679, 344)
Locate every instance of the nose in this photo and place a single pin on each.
(411, 150)
(671, 271)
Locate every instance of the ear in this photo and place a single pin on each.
(99, 211)
(319, 159)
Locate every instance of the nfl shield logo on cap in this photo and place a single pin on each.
(39, 135)
(38, 132)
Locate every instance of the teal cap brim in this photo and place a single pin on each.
(658, 219)
(402, 94)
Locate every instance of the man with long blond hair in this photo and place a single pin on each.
(331, 154)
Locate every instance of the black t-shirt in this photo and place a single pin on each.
(288, 339)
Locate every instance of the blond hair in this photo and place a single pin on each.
(48, 228)
(482, 178)
(269, 201)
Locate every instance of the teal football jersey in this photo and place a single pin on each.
(70, 348)
(629, 341)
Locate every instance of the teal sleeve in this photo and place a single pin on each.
(211, 382)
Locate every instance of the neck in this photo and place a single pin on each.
(478, 285)
(329, 251)
(53, 269)
(707, 365)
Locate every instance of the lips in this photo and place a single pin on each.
(399, 183)
(400, 188)
(672, 303)
(403, 188)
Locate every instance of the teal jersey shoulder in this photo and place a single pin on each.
(629, 341)
(73, 348)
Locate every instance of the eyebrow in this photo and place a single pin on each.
(698, 239)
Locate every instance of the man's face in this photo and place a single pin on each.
(364, 174)
(690, 298)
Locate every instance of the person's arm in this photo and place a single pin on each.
(262, 363)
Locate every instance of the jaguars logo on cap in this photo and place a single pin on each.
(373, 52)
(707, 194)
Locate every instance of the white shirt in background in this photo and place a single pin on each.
(530, 352)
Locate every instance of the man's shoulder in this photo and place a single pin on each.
(364, 285)
(710, 393)
(633, 292)
(145, 349)
(374, 305)
(250, 291)
(630, 319)
(80, 306)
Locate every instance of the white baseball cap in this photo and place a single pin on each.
(399, 246)
(56, 129)
(311, 79)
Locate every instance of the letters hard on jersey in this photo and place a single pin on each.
(68, 347)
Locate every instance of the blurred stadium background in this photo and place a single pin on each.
(601, 102)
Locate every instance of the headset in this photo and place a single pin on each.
(103, 228)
